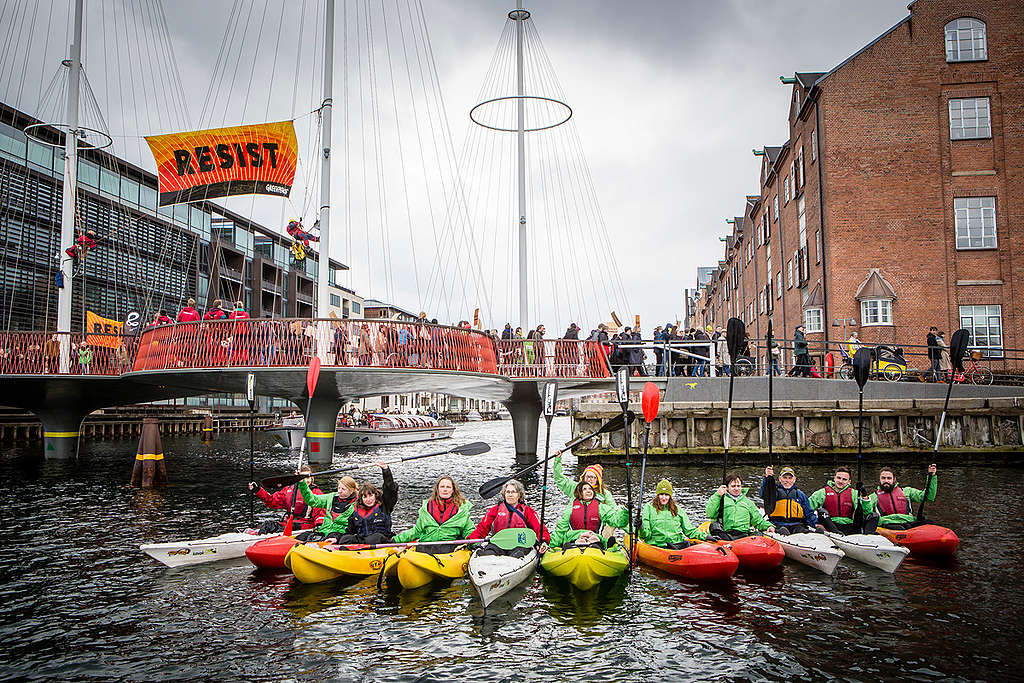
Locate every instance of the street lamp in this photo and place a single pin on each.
(844, 321)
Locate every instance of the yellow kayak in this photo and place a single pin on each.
(313, 564)
(416, 569)
(585, 567)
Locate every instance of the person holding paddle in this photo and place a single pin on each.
(582, 522)
(664, 524)
(893, 502)
(442, 517)
(339, 507)
(592, 474)
(370, 521)
(511, 513)
(792, 512)
(837, 505)
(738, 513)
(307, 517)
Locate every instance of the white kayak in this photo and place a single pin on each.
(814, 550)
(878, 551)
(224, 547)
(494, 575)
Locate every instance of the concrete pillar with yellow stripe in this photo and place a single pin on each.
(321, 424)
(61, 422)
(149, 470)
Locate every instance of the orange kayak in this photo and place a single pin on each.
(700, 562)
(270, 552)
(928, 540)
(756, 553)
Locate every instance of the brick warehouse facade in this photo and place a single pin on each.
(898, 201)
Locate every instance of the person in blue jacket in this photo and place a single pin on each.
(788, 507)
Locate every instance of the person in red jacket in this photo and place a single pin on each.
(82, 245)
(239, 335)
(189, 314)
(306, 517)
(511, 513)
(216, 311)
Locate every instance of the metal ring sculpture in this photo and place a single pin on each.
(82, 133)
(568, 115)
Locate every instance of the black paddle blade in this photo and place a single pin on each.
(734, 331)
(958, 348)
(492, 486)
(862, 366)
(475, 448)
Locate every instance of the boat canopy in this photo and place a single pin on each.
(380, 421)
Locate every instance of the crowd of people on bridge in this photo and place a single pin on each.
(362, 513)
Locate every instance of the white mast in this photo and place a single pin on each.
(323, 296)
(524, 306)
(67, 221)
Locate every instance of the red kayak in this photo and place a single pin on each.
(756, 553)
(270, 552)
(700, 562)
(929, 540)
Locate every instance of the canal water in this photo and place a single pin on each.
(78, 601)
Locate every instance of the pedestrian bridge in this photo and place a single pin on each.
(64, 377)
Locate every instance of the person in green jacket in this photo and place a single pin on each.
(664, 524)
(739, 514)
(338, 506)
(894, 502)
(582, 521)
(592, 474)
(442, 517)
(837, 505)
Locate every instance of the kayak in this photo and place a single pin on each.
(585, 567)
(814, 550)
(871, 549)
(270, 552)
(183, 553)
(755, 553)
(311, 563)
(416, 569)
(699, 562)
(494, 575)
(928, 540)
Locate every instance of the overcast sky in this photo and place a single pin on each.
(668, 97)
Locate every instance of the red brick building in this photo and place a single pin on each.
(897, 202)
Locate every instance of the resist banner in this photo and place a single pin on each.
(98, 328)
(220, 162)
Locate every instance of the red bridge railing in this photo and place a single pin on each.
(55, 353)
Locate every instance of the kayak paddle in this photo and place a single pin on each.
(622, 390)
(771, 373)
(734, 334)
(506, 539)
(312, 376)
(282, 480)
(957, 348)
(649, 401)
(492, 486)
(861, 372)
(550, 396)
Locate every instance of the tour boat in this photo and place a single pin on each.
(380, 430)
(473, 416)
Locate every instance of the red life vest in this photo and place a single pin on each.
(839, 503)
(893, 503)
(442, 512)
(585, 515)
(506, 517)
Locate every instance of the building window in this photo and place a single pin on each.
(985, 323)
(876, 312)
(975, 222)
(814, 145)
(969, 118)
(775, 204)
(785, 184)
(789, 274)
(778, 285)
(817, 246)
(813, 320)
(335, 300)
(965, 40)
(356, 308)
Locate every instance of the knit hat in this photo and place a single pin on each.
(598, 472)
(663, 487)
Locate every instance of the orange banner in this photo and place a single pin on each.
(102, 331)
(220, 162)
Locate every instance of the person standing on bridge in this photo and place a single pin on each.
(189, 314)
(239, 336)
(934, 354)
(803, 359)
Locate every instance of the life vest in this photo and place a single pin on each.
(893, 502)
(442, 512)
(839, 503)
(374, 520)
(507, 516)
(585, 515)
(339, 505)
(787, 509)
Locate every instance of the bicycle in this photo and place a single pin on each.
(974, 373)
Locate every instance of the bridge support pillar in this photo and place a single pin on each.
(61, 430)
(321, 423)
(525, 407)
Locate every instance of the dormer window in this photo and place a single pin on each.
(965, 40)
